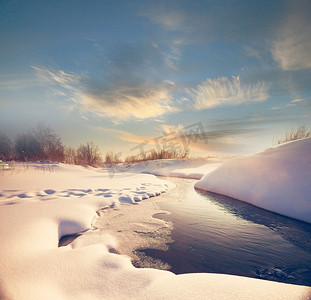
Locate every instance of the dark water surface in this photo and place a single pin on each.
(218, 234)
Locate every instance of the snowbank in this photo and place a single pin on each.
(183, 168)
(41, 203)
(278, 179)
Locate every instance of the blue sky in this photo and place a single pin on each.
(122, 72)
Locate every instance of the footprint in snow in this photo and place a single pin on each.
(49, 192)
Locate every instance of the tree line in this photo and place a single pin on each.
(43, 144)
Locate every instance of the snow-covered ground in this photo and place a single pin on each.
(184, 168)
(40, 203)
(277, 179)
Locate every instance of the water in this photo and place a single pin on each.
(218, 234)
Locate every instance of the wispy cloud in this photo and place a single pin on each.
(66, 80)
(124, 85)
(125, 102)
(292, 103)
(225, 140)
(169, 20)
(261, 121)
(297, 100)
(292, 46)
(202, 21)
(124, 135)
(169, 128)
(120, 102)
(10, 83)
(227, 91)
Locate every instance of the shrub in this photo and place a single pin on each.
(112, 158)
(162, 154)
(166, 154)
(88, 154)
(132, 159)
(70, 155)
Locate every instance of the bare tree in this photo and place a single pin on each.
(28, 148)
(88, 154)
(112, 158)
(51, 144)
(70, 155)
(42, 143)
(6, 151)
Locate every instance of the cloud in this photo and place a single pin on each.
(209, 21)
(126, 85)
(220, 141)
(297, 100)
(225, 91)
(21, 82)
(265, 121)
(275, 108)
(65, 80)
(169, 20)
(210, 137)
(124, 135)
(292, 46)
(169, 128)
(293, 103)
(123, 102)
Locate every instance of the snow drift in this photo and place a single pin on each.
(277, 179)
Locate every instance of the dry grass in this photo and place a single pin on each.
(294, 134)
(153, 155)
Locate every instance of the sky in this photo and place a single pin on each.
(219, 77)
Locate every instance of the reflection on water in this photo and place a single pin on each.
(218, 234)
(294, 231)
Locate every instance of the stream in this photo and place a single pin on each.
(217, 234)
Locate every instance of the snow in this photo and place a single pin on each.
(183, 168)
(277, 179)
(40, 203)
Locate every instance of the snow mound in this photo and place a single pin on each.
(278, 179)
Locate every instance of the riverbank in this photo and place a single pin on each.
(217, 234)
